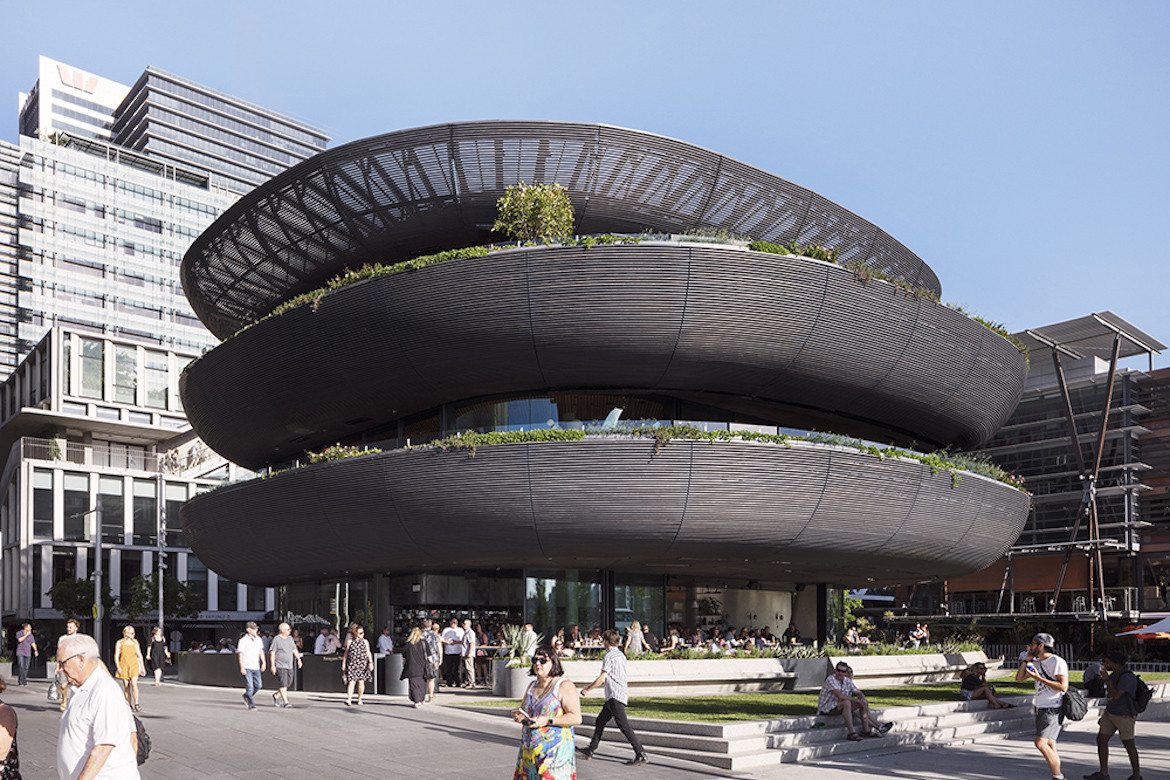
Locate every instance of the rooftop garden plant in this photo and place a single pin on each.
(534, 212)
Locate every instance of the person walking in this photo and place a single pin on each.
(614, 677)
(1119, 717)
(635, 640)
(548, 712)
(416, 666)
(250, 652)
(283, 652)
(434, 657)
(26, 649)
(71, 627)
(10, 764)
(96, 738)
(1050, 673)
(130, 665)
(160, 654)
(357, 665)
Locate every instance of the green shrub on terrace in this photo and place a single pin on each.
(662, 435)
(339, 452)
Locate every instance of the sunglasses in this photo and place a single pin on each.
(536, 661)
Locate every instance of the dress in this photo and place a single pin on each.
(128, 667)
(10, 766)
(158, 653)
(414, 665)
(357, 661)
(434, 654)
(545, 753)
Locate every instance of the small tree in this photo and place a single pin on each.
(74, 598)
(531, 212)
(179, 599)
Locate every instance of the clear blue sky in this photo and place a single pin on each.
(1021, 148)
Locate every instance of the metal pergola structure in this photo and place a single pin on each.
(1101, 335)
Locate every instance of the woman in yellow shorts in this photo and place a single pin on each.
(130, 665)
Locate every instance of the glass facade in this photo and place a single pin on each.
(553, 599)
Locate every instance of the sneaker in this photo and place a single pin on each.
(276, 699)
(637, 760)
(586, 753)
(287, 705)
(248, 701)
(885, 727)
(1097, 776)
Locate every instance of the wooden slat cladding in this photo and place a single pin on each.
(786, 334)
(804, 513)
(394, 196)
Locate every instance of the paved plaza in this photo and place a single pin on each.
(203, 732)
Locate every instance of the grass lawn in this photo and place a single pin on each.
(784, 704)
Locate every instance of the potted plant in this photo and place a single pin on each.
(510, 675)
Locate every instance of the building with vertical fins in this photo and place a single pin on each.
(623, 424)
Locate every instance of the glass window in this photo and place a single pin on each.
(197, 581)
(145, 512)
(563, 598)
(125, 374)
(64, 564)
(42, 504)
(228, 597)
(176, 497)
(156, 379)
(641, 598)
(256, 599)
(92, 367)
(131, 568)
(113, 510)
(67, 364)
(76, 507)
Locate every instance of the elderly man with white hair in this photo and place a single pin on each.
(96, 737)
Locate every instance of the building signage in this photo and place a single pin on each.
(72, 77)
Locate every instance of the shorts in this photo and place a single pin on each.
(1048, 720)
(965, 694)
(285, 677)
(1119, 723)
(835, 711)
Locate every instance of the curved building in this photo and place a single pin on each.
(670, 327)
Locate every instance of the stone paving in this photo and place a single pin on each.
(204, 732)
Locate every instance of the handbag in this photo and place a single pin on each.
(54, 692)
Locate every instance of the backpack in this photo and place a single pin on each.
(143, 741)
(1142, 695)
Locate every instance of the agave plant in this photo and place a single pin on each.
(519, 641)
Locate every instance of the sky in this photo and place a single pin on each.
(1020, 148)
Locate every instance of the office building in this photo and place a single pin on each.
(95, 328)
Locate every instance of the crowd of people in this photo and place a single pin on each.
(98, 730)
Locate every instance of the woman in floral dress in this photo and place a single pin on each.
(550, 709)
(357, 665)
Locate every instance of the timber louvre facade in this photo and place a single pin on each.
(677, 328)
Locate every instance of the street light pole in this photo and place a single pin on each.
(162, 532)
(98, 606)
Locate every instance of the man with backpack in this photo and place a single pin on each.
(1050, 674)
(1126, 696)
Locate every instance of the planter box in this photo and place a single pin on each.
(509, 683)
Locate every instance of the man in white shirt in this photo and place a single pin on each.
(319, 645)
(96, 738)
(385, 643)
(1050, 673)
(332, 642)
(250, 651)
(452, 646)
